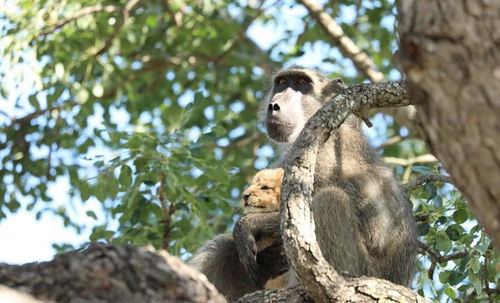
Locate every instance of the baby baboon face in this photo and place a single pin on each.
(263, 195)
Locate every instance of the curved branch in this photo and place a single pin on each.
(297, 224)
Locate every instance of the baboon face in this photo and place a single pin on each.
(296, 95)
(263, 194)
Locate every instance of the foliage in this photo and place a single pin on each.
(161, 97)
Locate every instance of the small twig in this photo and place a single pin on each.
(427, 158)
(424, 179)
(80, 13)
(347, 47)
(437, 258)
(391, 141)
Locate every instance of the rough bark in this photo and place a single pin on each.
(450, 52)
(107, 273)
(320, 280)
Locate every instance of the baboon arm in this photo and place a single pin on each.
(247, 231)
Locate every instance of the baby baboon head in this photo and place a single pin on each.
(263, 195)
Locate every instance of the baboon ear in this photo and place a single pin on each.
(332, 88)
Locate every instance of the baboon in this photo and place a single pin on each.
(364, 224)
(261, 229)
(257, 235)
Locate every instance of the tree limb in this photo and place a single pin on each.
(297, 224)
(108, 273)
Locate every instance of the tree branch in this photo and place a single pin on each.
(361, 61)
(424, 179)
(109, 273)
(427, 158)
(437, 258)
(80, 13)
(391, 141)
(297, 224)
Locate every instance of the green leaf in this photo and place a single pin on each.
(452, 233)
(423, 229)
(474, 265)
(125, 176)
(100, 189)
(460, 216)
(91, 214)
(450, 292)
(422, 169)
(431, 189)
(444, 276)
(84, 190)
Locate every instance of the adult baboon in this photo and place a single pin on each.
(364, 224)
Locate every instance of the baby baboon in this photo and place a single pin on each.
(256, 235)
(364, 224)
(260, 227)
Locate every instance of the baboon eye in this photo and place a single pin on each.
(301, 80)
(281, 81)
(265, 187)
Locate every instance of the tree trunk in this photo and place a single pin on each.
(450, 52)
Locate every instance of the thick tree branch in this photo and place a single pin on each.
(320, 280)
(108, 273)
(361, 61)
